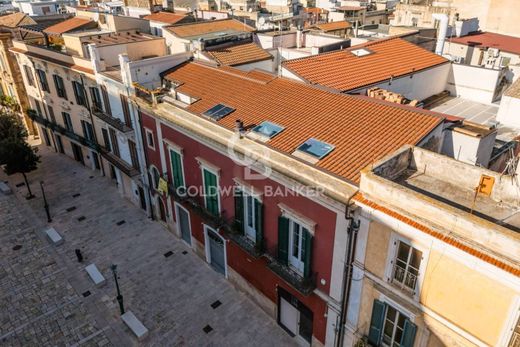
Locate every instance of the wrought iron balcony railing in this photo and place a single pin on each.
(404, 278)
(122, 165)
(112, 121)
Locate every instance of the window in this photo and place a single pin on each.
(113, 141)
(96, 98)
(79, 93)
(42, 77)
(38, 108)
(51, 114)
(211, 194)
(67, 121)
(219, 111)
(60, 86)
(106, 139)
(155, 177)
(316, 148)
(177, 169)
(28, 75)
(268, 129)
(294, 245)
(88, 131)
(106, 100)
(389, 327)
(406, 266)
(249, 215)
(133, 154)
(149, 139)
(126, 110)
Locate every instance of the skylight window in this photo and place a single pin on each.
(316, 148)
(267, 129)
(360, 52)
(218, 111)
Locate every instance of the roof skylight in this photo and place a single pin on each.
(218, 111)
(268, 129)
(361, 52)
(316, 148)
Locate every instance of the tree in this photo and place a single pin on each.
(16, 155)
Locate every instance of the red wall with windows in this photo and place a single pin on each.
(255, 270)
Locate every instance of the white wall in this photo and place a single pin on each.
(423, 84)
(268, 41)
(468, 149)
(509, 112)
(473, 82)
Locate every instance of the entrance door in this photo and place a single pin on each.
(95, 159)
(78, 153)
(289, 316)
(215, 248)
(183, 223)
(162, 211)
(59, 143)
(295, 317)
(142, 198)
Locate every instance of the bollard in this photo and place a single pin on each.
(79, 255)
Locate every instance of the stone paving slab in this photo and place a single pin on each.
(41, 285)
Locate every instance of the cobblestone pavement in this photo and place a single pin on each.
(42, 286)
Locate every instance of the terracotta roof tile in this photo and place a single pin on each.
(214, 26)
(345, 71)
(448, 239)
(15, 19)
(239, 54)
(67, 25)
(505, 43)
(362, 131)
(165, 17)
(331, 26)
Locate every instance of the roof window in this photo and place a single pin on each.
(268, 129)
(315, 148)
(218, 111)
(361, 52)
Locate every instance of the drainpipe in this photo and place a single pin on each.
(443, 30)
(144, 168)
(352, 231)
(93, 125)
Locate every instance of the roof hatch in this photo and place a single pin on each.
(268, 129)
(218, 111)
(314, 150)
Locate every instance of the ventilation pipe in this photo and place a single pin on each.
(299, 37)
(443, 30)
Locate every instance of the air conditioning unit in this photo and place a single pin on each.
(493, 52)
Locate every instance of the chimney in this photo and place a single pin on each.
(239, 127)
(443, 30)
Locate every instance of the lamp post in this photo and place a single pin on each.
(45, 204)
(113, 267)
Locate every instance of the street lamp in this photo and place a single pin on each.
(45, 204)
(113, 267)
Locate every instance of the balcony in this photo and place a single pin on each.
(113, 122)
(122, 165)
(242, 241)
(66, 132)
(304, 285)
(198, 208)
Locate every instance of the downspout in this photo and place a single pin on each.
(352, 231)
(93, 125)
(144, 168)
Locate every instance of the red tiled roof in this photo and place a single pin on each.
(344, 71)
(67, 25)
(361, 131)
(239, 54)
(15, 19)
(334, 26)
(450, 240)
(315, 10)
(350, 8)
(213, 26)
(504, 43)
(165, 17)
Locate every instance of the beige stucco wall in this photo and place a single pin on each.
(378, 239)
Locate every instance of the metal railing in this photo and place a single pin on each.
(112, 121)
(122, 165)
(404, 278)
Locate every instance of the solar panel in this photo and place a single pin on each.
(218, 111)
(268, 129)
(316, 148)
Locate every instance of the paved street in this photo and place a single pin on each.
(47, 298)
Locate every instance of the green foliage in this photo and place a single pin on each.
(9, 104)
(11, 127)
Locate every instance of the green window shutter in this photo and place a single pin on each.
(210, 189)
(408, 334)
(283, 239)
(259, 215)
(239, 210)
(176, 160)
(376, 323)
(307, 253)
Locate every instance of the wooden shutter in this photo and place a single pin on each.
(210, 186)
(239, 210)
(259, 214)
(133, 154)
(376, 323)
(283, 240)
(106, 100)
(113, 139)
(126, 110)
(176, 161)
(408, 334)
(307, 253)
